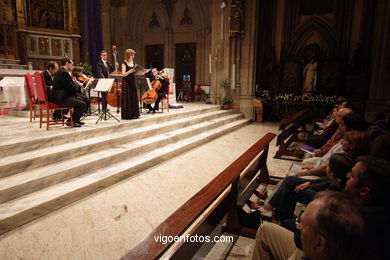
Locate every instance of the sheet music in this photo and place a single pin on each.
(148, 81)
(104, 85)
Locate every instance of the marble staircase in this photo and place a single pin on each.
(46, 173)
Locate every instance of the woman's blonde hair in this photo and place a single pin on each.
(128, 53)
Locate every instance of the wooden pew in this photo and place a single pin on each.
(290, 128)
(207, 207)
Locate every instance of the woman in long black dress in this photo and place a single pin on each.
(129, 108)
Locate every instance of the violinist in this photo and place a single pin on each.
(104, 68)
(129, 102)
(81, 80)
(157, 82)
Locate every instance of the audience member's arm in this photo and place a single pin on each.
(319, 171)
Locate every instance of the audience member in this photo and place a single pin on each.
(354, 143)
(294, 189)
(331, 228)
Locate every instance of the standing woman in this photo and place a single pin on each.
(130, 109)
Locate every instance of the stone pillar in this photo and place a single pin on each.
(380, 73)
(247, 60)
(106, 24)
(219, 47)
(169, 49)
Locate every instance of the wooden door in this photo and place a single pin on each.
(154, 56)
(185, 68)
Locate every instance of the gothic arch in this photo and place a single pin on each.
(315, 31)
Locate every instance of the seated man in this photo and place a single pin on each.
(65, 91)
(331, 228)
(52, 68)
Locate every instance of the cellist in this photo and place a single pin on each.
(157, 83)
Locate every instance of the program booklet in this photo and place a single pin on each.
(308, 148)
(295, 168)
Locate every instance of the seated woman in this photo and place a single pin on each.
(354, 143)
(294, 189)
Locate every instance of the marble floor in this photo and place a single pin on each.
(109, 223)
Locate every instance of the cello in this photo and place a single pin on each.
(150, 96)
(114, 96)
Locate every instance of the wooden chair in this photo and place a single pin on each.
(32, 100)
(166, 89)
(198, 93)
(48, 107)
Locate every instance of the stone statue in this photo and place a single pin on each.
(310, 77)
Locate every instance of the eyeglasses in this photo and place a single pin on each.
(298, 223)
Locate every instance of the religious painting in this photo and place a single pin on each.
(56, 47)
(43, 46)
(48, 14)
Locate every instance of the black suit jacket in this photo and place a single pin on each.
(63, 86)
(49, 85)
(48, 78)
(102, 70)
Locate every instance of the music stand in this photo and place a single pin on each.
(104, 86)
(92, 84)
(142, 85)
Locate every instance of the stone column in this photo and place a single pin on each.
(169, 49)
(219, 47)
(246, 61)
(380, 72)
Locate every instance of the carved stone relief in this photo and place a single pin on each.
(49, 47)
(154, 21)
(186, 17)
(43, 46)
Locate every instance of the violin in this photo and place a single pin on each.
(84, 79)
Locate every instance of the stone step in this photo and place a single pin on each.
(29, 207)
(13, 66)
(50, 138)
(8, 61)
(33, 159)
(29, 181)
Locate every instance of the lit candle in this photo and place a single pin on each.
(210, 63)
(234, 76)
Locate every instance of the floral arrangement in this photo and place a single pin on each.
(318, 98)
(288, 104)
(86, 68)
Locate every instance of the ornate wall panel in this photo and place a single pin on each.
(49, 47)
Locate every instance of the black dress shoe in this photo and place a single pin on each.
(74, 124)
(80, 123)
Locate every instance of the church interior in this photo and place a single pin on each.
(127, 123)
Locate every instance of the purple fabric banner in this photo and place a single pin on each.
(94, 31)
